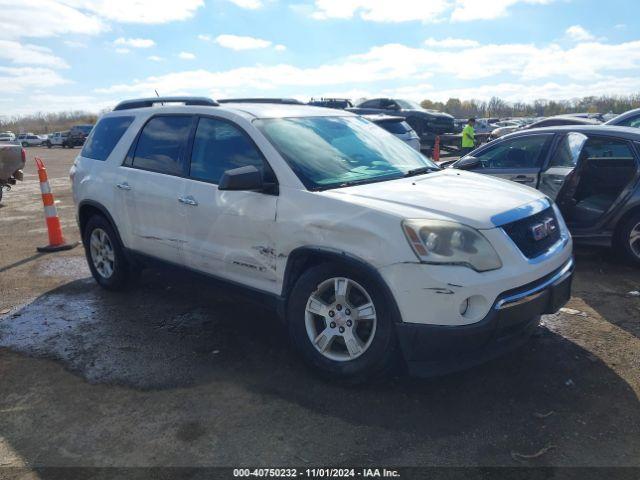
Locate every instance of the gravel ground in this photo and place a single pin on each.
(178, 373)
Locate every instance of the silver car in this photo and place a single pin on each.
(398, 127)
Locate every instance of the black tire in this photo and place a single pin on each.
(25, 144)
(377, 360)
(624, 238)
(48, 144)
(123, 271)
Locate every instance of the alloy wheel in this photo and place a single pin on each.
(340, 319)
(634, 240)
(102, 253)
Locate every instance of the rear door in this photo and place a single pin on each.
(229, 234)
(153, 187)
(517, 159)
(562, 162)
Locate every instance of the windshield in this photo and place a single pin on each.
(409, 105)
(327, 152)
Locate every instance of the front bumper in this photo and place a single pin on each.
(437, 349)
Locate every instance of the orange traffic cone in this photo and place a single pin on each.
(436, 149)
(56, 239)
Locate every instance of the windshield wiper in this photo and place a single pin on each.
(420, 171)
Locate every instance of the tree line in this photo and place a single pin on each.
(496, 107)
(46, 122)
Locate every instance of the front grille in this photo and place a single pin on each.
(522, 235)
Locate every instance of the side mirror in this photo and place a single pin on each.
(242, 178)
(467, 163)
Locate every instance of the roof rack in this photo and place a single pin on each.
(282, 101)
(151, 101)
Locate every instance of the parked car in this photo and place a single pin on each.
(592, 172)
(7, 137)
(77, 135)
(363, 245)
(339, 103)
(12, 160)
(58, 139)
(562, 120)
(398, 127)
(504, 127)
(426, 123)
(29, 140)
(626, 119)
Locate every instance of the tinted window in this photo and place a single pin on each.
(522, 152)
(162, 144)
(630, 122)
(220, 146)
(395, 127)
(568, 151)
(606, 148)
(104, 137)
(370, 104)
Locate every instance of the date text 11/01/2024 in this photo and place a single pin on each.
(316, 472)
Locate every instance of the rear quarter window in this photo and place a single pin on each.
(105, 136)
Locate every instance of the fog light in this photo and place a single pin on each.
(464, 306)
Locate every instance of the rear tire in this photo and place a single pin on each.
(105, 255)
(341, 323)
(629, 238)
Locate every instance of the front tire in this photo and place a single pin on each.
(105, 255)
(48, 144)
(629, 238)
(341, 324)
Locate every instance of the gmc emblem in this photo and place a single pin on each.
(542, 230)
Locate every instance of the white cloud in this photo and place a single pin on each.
(58, 103)
(237, 42)
(186, 56)
(45, 18)
(468, 10)
(139, 11)
(27, 54)
(155, 58)
(451, 43)
(123, 51)
(134, 42)
(248, 4)
(412, 10)
(578, 34)
(280, 48)
(20, 79)
(526, 64)
(381, 10)
(75, 44)
(204, 38)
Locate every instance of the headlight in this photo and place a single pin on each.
(450, 243)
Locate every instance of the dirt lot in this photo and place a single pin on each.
(176, 372)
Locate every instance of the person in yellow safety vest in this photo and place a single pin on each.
(468, 137)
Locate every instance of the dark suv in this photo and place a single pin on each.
(427, 123)
(78, 134)
(592, 172)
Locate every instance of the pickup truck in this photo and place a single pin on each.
(58, 139)
(12, 160)
(427, 123)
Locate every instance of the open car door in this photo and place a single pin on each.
(558, 175)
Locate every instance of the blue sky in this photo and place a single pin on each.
(79, 54)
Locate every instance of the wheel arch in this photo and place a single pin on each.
(303, 258)
(89, 208)
(629, 212)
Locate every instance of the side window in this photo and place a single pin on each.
(522, 152)
(370, 104)
(630, 122)
(599, 148)
(104, 137)
(219, 146)
(162, 144)
(568, 150)
(387, 104)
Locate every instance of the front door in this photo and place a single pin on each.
(229, 234)
(517, 159)
(563, 161)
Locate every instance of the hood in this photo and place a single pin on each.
(431, 113)
(476, 200)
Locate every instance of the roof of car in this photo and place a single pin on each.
(623, 116)
(245, 109)
(629, 133)
(381, 117)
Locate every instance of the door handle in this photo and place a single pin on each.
(123, 186)
(522, 179)
(188, 200)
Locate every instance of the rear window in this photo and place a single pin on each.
(395, 127)
(104, 137)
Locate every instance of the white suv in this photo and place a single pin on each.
(365, 246)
